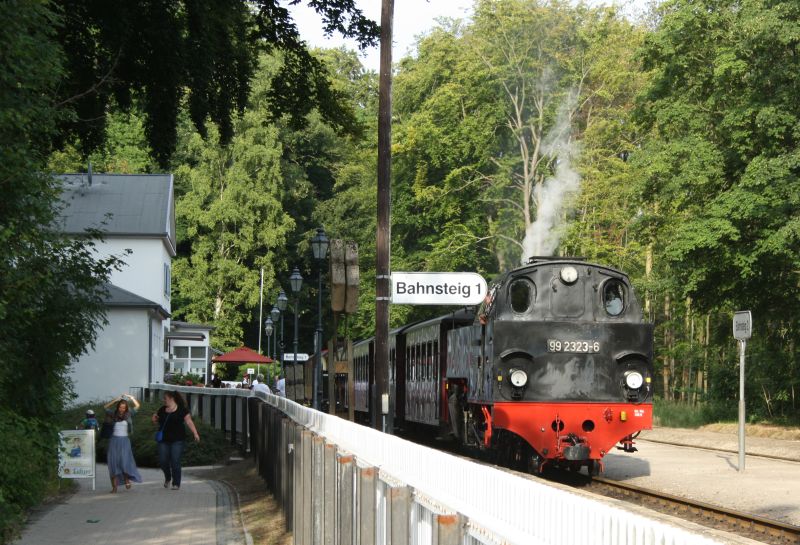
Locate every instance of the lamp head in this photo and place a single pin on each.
(282, 301)
(319, 244)
(268, 326)
(296, 280)
(275, 314)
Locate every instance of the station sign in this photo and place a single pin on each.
(289, 356)
(438, 288)
(742, 325)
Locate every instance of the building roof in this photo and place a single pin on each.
(177, 324)
(117, 297)
(131, 205)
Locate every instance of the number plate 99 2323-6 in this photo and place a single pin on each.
(580, 347)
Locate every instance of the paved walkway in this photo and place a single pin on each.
(199, 513)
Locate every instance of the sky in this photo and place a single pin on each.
(411, 19)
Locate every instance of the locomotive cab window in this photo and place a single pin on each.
(614, 297)
(522, 294)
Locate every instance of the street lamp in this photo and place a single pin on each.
(319, 247)
(268, 328)
(295, 282)
(283, 301)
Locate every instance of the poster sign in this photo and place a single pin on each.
(742, 325)
(251, 371)
(76, 454)
(438, 288)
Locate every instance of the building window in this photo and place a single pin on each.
(167, 280)
(189, 359)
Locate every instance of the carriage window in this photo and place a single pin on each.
(614, 297)
(522, 294)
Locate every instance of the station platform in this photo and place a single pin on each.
(702, 465)
(200, 513)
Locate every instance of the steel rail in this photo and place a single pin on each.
(754, 526)
(725, 450)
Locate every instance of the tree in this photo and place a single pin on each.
(231, 216)
(720, 167)
(154, 51)
(50, 287)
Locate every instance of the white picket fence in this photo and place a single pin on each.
(356, 486)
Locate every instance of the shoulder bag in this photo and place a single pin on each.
(106, 430)
(160, 433)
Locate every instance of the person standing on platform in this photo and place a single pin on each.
(172, 418)
(260, 386)
(121, 464)
(281, 385)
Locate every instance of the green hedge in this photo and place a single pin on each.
(29, 468)
(212, 448)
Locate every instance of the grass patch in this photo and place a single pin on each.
(673, 414)
(212, 448)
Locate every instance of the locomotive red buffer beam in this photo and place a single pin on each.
(573, 431)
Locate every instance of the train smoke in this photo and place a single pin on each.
(542, 236)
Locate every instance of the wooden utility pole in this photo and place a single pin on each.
(384, 234)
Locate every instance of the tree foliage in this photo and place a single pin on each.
(50, 287)
(719, 174)
(157, 51)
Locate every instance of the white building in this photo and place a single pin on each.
(189, 347)
(136, 214)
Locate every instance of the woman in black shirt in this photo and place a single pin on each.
(171, 418)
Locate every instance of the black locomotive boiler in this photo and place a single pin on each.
(554, 368)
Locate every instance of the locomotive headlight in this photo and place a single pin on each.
(634, 380)
(569, 274)
(519, 378)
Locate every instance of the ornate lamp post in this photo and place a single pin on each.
(268, 328)
(296, 283)
(282, 303)
(319, 246)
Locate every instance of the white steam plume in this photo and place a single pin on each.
(542, 237)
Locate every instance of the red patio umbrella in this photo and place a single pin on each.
(242, 355)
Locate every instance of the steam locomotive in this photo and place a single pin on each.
(554, 368)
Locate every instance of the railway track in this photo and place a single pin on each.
(743, 524)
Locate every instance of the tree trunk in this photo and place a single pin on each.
(686, 364)
(669, 363)
(702, 376)
(648, 270)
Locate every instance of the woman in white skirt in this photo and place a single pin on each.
(121, 465)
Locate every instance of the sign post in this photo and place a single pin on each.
(742, 330)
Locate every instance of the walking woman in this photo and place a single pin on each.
(121, 464)
(171, 418)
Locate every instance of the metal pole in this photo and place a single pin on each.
(384, 227)
(260, 318)
(260, 310)
(316, 397)
(742, 346)
(282, 345)
(296, 297)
